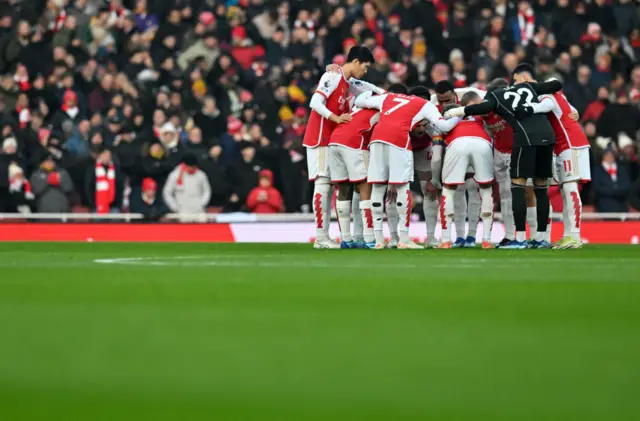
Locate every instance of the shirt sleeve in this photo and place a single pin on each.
(368, 100)
(485, 107)
(547, 103)
(317, 104)
(550, 87)
(356, 87)
(431, 113)
(328, 83)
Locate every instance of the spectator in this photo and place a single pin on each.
(21, 197)
(265, 198)
(187, 190)
(595, 109)
(147, 202)
(104, 184)
(611, 184)
(51, 186)
(218, 174)
(620, 118)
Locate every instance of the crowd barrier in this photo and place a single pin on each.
(621, 228)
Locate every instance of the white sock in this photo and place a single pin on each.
(322, 207)
(430, 208)
(573, 204)
(547, 237)
(367, 219)
(540, 235)
(446, 213)
(486, 212)
(521, 236)
(405, 205)
(377, 210)
(343, 209)
(460, 210)
(532, 220)
(506, 208)
(357, 217)
(473, 205)
(392, 218)
(565, 215)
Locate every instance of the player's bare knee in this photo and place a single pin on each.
(519, 181)
(485, 214)
(540, 183)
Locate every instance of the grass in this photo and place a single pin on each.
(102, 331)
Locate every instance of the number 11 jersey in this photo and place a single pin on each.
(530, 131)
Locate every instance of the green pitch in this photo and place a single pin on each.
(279, 332)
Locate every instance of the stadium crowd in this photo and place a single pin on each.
(187, 105)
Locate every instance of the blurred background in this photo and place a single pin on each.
(100, 101)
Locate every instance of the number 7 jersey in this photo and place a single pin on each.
(398, 115)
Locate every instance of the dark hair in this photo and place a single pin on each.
(420, 91)
(398, 88)
(444, 86)
(497, 83)
(468, 97)
(190, 160)
(524, 67)
(360, 53)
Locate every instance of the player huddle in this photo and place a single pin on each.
(369, 142)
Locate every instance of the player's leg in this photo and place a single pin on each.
(422, 165)
(430, 208)
(543, 172)
(473, 211)
(522, 162)
(501, 169)
(460, 213)
(343, 209)
(340, 177)
(454, 169)
(570, 171)
(358, 226)
(401, 175)
(366, 214)
(532, 210)
(392, 216)
(378, 176)
(318, 169)
(482, 160)
(447, 214)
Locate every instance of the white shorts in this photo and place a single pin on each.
(389, 164)
(502, 166)
(318, 162)
(572, 165)
(422, 159)
(465, 152)
(348, 164)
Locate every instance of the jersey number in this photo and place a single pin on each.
(518, 96)
(401, 103)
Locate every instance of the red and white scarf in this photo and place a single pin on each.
(56, 25)
(183, 169)
(16, 184)
(24, 116)
(22, 82)
(105, 187)
(526, 23)
(612, 170)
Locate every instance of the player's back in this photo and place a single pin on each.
(569, 133)
(472, 126)
(334, 88)
(532, 130)
(356, 133)
(398, 115)
(501, 131)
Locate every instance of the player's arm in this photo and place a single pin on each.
(437, 149)
(489, 104)
(431, 113)
(357, 86)
(369, 100)
(547, 104)
(549, 87)
(328, 83)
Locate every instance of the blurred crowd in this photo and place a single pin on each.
(157, 106)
